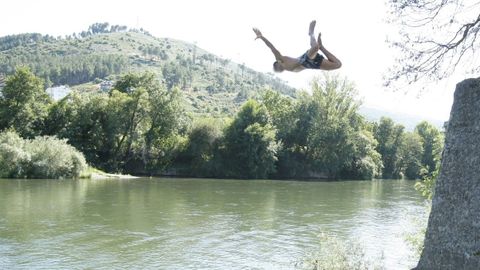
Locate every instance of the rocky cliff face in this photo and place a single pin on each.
(453, 234)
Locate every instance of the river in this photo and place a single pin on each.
(200, 223)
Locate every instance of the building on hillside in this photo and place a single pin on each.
(106, 86)
(58, 92)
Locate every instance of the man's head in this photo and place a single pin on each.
(277, 67)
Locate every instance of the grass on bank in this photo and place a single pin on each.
(334, 254)
(94, 173)
(89, 171)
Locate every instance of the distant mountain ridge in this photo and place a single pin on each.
(408, 121)
(210, 84)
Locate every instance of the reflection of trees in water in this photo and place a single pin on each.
(133, 221)
(30, 206)
(127, 204)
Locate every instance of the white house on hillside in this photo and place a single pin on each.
(58, 92)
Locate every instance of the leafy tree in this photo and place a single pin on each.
(71, 69)
(427, 186)
(201, 152)
(283, 116)
(436, 37)
(13, 157)
(133, 128)
(172, 74)
(98, 28)
(389, 136)
(12, 41)
(42, 157)
(58, 117)
(82, 119)
(250, 148)
(432, 141)
(330, 141)
(281, 111)
(160, 117)
(326, 135)
(410, 155)
(23, 103)
(323, 133)
(165, 120)
(131, 81)
(366, 162)
(117, 28)
(126, 114)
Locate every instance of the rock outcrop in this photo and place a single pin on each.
(453, 234)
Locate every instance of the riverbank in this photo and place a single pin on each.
(96, 174)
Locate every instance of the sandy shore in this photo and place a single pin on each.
(111, 176)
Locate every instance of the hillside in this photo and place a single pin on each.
(408, 121)
(90, 60)
(210, 84)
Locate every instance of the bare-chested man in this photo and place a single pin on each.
(309, 60)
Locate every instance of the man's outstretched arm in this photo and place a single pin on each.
(275, 52)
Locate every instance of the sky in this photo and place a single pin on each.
(354, 31)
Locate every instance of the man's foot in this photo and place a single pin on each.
(311, 28)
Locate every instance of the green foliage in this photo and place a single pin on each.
(367, 162)
(281, 111)
(323, 133)
(89, 171)
(432, 141)
(14, 159)
(201, 152)
(12, 41)
(427, 186)
(140, 126)
(410, 153)
(82, 119)
(330, 142)
(415, 237)
(53, 158)
(102, 52)
(131, 81)
(389, 136)
(333, 254)
(98, 28)
(23, 103)
(58, 69)
(42, 157)
(404, 153)
(250, 148)
(131, 129)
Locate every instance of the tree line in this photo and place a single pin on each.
(141, 127)
(11, 41)
(317, 135)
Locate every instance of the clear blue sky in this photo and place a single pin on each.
(353, 30)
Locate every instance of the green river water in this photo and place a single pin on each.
(200, 223)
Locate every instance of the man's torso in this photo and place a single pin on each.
(291, 64)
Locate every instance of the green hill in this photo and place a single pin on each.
(210, 84)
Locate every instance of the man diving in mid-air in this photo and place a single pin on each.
(309, 60)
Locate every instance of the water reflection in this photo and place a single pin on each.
(193, 223)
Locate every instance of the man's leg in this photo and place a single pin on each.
(312, 52)
(332, 62)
